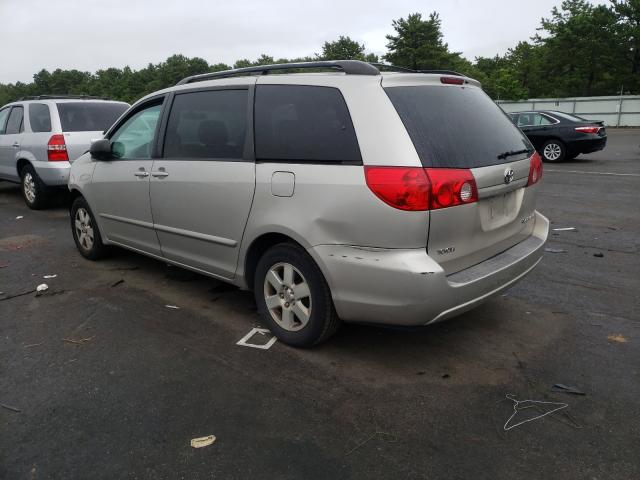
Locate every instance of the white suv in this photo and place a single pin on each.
(41, 136)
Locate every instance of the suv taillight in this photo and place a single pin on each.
(57, 149)
(417, 189)
(535, 169)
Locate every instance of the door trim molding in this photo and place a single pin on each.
(131, 221)
(227, 242)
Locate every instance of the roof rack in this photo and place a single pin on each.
(350, 67)
(62, 97)
(441, 72)
(392, 68)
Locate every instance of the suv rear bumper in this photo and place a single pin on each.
(53, 174)
(408, 288)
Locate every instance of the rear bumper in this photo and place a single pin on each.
(408, 288)
(587, 145)
(53, 174)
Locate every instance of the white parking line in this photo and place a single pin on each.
(594, 173)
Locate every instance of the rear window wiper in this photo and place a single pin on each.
(511, 153)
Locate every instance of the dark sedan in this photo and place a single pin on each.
(560, 136)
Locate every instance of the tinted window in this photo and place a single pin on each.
(4, 114)
(573, 118)
(89, 116)
(209, 124)
(134, 138)
(39, 117)
(455, 127)
(14, 124)
(303, 123)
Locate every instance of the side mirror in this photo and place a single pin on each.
(101, 149)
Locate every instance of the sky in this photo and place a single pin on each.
(89, 34)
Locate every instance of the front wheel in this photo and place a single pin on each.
(85, 230)
(293, 297)
(553, 151)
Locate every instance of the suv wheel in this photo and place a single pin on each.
(553, 151)
(34, 192)
(85, 231)
(293, 297)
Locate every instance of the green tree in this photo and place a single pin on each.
(418, 44)
(627, 13)
(342, 49)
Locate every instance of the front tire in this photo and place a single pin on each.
(34, 192)
(553, 151)
(293, 298)
(85, 230)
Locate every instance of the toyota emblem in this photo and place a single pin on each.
(508, 175)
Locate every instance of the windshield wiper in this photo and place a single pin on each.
(511, 153)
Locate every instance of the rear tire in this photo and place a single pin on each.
(553, 151)
(85, 230)
(293, 297)
(34, 192)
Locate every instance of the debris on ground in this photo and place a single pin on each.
(555, 250)
(554, 407)
(598, 254)
(16, 295)
(561, 387)
(565, 229)
(446, 375)
(50, 276)
(3, 264)
(388, 437)
(175, 307)
(119, 282)
(203, 441)
(616, 337)
(33, 345)
(9, 407)
(78, 341)
(244, 341)
(19, 217)
(43, 287)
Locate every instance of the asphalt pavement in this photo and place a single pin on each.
(100, 378)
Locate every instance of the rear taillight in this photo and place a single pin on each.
(535, 169)
(588, 129)
(451, 187)
(404, 188)
(57, 149)
(452, 80)
(416, 189)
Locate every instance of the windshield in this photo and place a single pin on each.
(89, 116)
(456, 127)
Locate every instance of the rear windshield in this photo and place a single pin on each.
(573, 118)
(456, 127)
(89, 116)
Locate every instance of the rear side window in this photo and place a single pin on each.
(303, 123)
(39, 117)
(455, 127)
(4, 114)
(89, 116)
(210, 124)
(14, 123)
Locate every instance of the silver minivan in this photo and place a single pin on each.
(382, 198)
(41, 136)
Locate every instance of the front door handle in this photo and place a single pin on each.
(16, 145)
(160, 173)
(141, 173)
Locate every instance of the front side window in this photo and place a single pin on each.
(14, 123)
(4, 114)
(39, 117)
(209, 124)
(134, 139)
(303, 123)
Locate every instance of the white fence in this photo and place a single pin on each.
(616, 111)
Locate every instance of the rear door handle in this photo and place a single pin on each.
(16, 145)
(159, 173)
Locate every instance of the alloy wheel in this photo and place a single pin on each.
(84, 229)
(29, 186)
(552, 151)
(287, 296)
